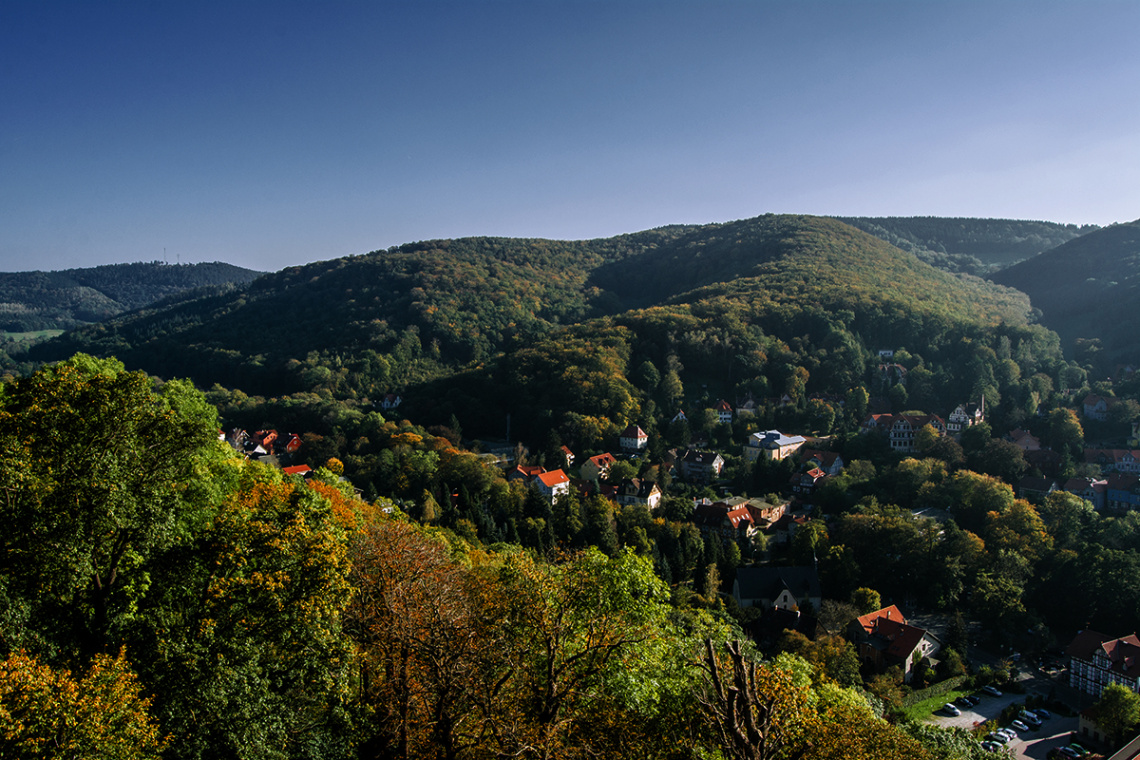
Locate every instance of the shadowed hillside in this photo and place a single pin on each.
(68, 298)
(1088, 288)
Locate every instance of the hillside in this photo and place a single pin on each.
(974, 246)
(1088, 288)
(544, 329)
(64, 299)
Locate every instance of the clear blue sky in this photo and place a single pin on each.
(274, 133)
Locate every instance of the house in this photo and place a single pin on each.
(785, 588)
(964, 416)
(1096, 660)
(553, 484)
(1118, 460)
(301, 469)
(679, 416)
(638, 491)
(265, 439)
(747, 407)
(1122, 492)
(828, 461)
(1035, 489)
(633, 438)
(701, 466)
(772, 444)
(1023, 440)
(524, 473)
(567, 457)
(1092, 490)
(803, 484)
(597, 466)
(724, 412)
(292, 443)
(884, 639)
(1096, 407)
(765, 515)
(731, 522)
(905, 427)
(390, 401)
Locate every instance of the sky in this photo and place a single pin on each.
(276, 133)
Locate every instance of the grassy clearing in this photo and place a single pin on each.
(923, 710)
(33, 335)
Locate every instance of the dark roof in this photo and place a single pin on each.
(768, 582)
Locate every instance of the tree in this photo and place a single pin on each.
(46, 712)
(101, 470)
(240, 638)
(1117, 711)
(866, 600)
(429, 654)
(758, 711)
(568, 629)
(1064, 431)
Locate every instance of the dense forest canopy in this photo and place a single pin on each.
(1083, 288)
(396, 318)
(431, 603)
(31, 301)
(975, 246)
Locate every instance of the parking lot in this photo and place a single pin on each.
(1034, 744)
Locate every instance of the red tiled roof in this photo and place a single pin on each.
(299, 469)
(553, 478)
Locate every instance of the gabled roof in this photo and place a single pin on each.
(697, 457)
(299, 469)
(723, 406)
(1123, 653)
(826, 459)
(769, 582)
(633, 431)
(553, 478)
(603, 460)
(890, 630)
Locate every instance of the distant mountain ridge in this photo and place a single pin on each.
(72, 297)
(973, 246)
(429, 310)
(1088, 288)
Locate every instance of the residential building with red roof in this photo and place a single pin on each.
(597, 466)
(633, 438)
(553, 484)
(883, 639)
(1096, 660)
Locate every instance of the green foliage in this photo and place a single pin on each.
(1080, 288)
(69, 298)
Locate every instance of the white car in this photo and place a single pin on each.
(992, 691)
(998, 737)
(950, 709)
(1017, 724)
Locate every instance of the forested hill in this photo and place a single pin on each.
(736, 307)
(1088, 288)
(64, 299)
(975, 246)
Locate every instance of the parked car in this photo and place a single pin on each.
(1019, 725)
(950, 709)
(1081, 751)
(994, 736)
(1066, 752)
(992, 691)
(1029, 719)
(964, 702)
(989, 746)
(1008, 733)
(1042, 713)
